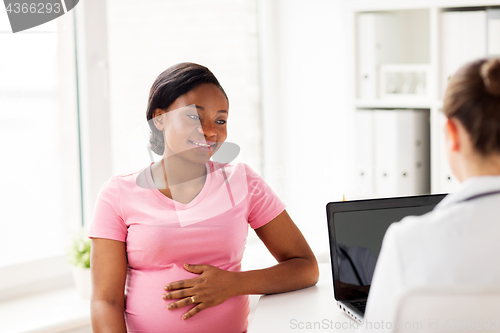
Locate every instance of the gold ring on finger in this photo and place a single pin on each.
(192, 300)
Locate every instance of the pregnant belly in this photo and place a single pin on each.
(146, 311)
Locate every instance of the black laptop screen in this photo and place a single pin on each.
(357, 229)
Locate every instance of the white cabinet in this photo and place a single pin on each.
(437, 35)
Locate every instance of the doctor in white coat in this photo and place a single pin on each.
(458, 242)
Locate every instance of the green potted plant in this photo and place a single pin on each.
(79, 257)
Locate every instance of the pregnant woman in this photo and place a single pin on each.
(167, 240)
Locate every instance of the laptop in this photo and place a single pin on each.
(356, 230)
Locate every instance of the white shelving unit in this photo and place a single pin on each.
(411, 32)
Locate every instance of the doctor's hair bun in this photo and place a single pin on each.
(473, 98)
(490, 72)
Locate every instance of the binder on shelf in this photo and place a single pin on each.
(419, 161)
(364, 155)
(367, 56)
(493, 32)
(450, 47)
(402, 152)
(463, 39)
(473, 34)
(447, 182)
(385, 147)
(376, 44)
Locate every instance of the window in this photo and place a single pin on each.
(40, 178)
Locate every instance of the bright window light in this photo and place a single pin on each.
(31, 136)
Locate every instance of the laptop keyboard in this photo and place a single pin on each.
(360, 305)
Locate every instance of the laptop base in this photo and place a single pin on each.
(351, 311)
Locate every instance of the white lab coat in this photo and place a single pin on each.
(458, 242)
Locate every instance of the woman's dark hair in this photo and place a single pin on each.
(175, 81)
(473, 97)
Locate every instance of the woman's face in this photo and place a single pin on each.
(194, 126)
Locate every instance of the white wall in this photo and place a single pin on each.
(148, 37)
(307, 125)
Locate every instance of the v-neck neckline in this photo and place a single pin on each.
(178, 205)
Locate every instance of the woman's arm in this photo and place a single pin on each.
(297, 269)
(297, 266)
(109, 270)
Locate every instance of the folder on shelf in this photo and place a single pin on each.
(364, 154)
(367, 57)
(473, 35)
(450, 47)
(377, 43)
(402, 152)
(385, 147)
(447, 182)
(493, 31)
(463, 39)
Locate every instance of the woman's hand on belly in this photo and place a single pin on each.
(212, 287)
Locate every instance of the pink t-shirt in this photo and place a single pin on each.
(162, 234)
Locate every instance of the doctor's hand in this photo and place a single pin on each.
(212, 287)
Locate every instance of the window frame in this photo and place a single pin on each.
(85, 30)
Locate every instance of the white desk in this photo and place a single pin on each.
(312, 309)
